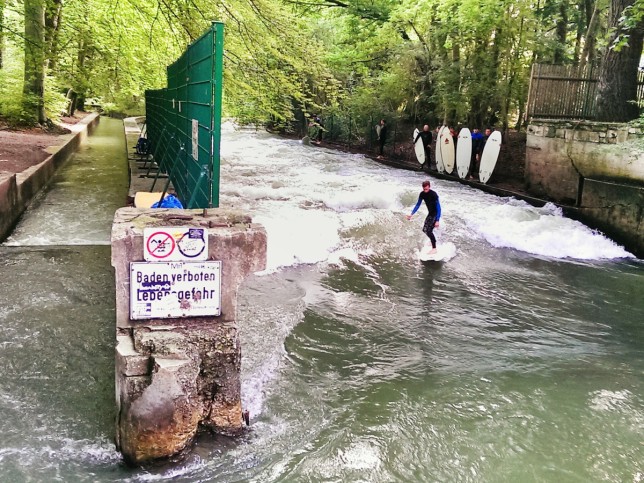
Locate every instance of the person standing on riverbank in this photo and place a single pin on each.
(434, 212)
(381, 129)
(316, 128)
(477, 149)
(426, 136)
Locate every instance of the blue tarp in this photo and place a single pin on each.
(170, 201)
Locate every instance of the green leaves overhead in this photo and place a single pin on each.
(455, 61)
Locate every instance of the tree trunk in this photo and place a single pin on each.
(493, 99)
(71, 102)
(2, 6)
(562, 32)
(589, 41)
(452, 116)
(512, 76)
(617, 86)
(441, 54)
(53, 16)
(34, 75)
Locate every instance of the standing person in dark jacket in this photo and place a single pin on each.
(381, 129)
(434, 212)
(426, 136)
(454, 133)
(316, 128)
(477, 149)
(486, 136)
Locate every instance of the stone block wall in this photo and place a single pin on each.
(616, 209)
(596, 167)
(177, 375)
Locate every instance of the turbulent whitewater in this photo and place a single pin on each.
(518, 359)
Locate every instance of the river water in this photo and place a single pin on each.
(519, 359)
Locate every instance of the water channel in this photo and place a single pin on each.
(520, 359)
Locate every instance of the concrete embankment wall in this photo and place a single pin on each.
(17, 190)
(597, 167)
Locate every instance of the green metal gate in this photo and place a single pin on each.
(184, 121)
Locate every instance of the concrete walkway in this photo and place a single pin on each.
(144, 176)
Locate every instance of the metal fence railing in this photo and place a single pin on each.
(359, 133)
(567, 91)
(184, 121)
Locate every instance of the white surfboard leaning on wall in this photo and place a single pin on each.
(463, 152)
(447, 150)
(489, 156)
(440, 167)
(418, 147)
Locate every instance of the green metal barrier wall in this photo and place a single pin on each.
(190, 109)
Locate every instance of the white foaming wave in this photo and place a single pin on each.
(268, 325)
(272, 191)
(605, 400)
(299, 236)
(354, 219)
(102, 450)
(370, 197)
(361, 455)
(287, 189)
(175, 472)
(542, 231)
(86, 451)
(36, 241)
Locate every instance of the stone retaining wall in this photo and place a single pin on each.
(596, 167)
(17, 190)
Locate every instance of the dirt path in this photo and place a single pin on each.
(22, 149)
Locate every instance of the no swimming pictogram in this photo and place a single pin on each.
(159, 245)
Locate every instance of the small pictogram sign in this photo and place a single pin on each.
(159, 246)
(175, 244)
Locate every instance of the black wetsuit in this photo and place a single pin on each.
(434, 213)
(427, 138)
(382, 138)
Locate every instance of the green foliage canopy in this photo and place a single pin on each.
(436, 61)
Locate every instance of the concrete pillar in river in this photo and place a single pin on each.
(178, 370)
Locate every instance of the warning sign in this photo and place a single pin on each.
(175, 244)
(174, 289)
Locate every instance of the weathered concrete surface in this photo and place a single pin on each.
(596, 167)
(176, 375)
(17, 190)
(549, 171)
(10, 208)
(616, 209)
(164, 417)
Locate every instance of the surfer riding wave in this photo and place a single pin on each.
(434, 212)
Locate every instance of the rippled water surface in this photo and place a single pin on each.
(519, 359)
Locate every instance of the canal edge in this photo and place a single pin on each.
(17, 190)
